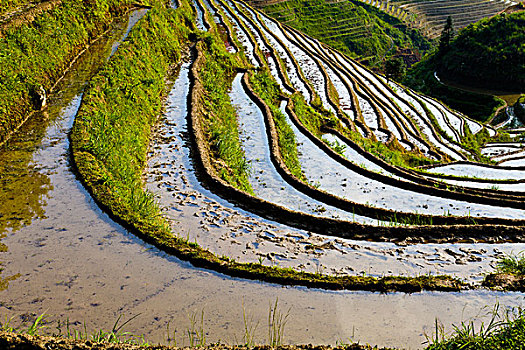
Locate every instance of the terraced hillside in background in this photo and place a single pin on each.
(352, 27)
(243, 146)
(430, 16)
(488, 55)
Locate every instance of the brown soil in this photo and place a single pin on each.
(10, 341)
(505, 281)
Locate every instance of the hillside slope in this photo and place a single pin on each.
(489, 54)
(355, 28)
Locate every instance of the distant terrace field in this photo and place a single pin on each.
(430, 15)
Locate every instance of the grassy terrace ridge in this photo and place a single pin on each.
(352, 27)
(266, 87)
(29, 62)
(110, 140)
(219, 116)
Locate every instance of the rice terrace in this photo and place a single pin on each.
(262, 173)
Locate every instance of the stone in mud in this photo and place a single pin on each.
(38, 97)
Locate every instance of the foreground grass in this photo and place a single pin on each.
(28, 62)
(503, 332)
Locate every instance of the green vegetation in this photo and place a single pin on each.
(64, 330)
(310, 118)
(503, 332)
(219, 116)
(489, 53)
(267, 89)
(111, 134)
(421, 78)
(395, 69)
(29, 62)
(352, 27)
(512, 264)
(7, 6)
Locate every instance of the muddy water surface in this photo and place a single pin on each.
(75, 263)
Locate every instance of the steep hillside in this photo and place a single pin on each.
(488, 54)
(431, 16)
(360, 30)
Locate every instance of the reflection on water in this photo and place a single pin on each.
(23, 188)
(4, 281)
(33, 156)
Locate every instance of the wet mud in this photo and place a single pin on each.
(75, 263)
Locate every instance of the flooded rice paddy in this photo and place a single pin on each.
(68, 259)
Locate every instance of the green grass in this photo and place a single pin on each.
(9, 5)
(219, 116)
(502, 332)
(512, 264)
(64, 329)
(265, 87)
(111, 133)
(28, 62)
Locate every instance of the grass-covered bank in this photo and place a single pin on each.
(110, 137)
(37, 54)
(268, 90)
(110, 140)
(219, 119)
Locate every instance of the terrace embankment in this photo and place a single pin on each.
(32, 67)
(137, 278)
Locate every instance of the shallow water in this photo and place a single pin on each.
(264, 178)
(76, 263)
(478, 171)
